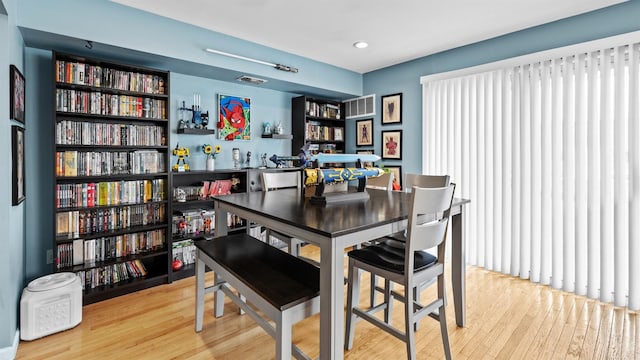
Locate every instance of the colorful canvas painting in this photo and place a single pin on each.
(234, 117)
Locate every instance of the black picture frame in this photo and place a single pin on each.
(391, 109)
(392, 144)
(17, 164)
(366, 152)
(397, 174)
(16, 94)
(364, 132)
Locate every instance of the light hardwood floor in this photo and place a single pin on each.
(507, 318)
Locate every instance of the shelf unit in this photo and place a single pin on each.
(110, 193)
(316, 121)
(193, 218)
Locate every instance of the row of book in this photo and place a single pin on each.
(89, 222)
(323, 133)
(109, 193)
(98, 163)
(184, 251)
(329, 111)
(70, 132)
(193, 222)
(73, 72)
(97, 103)
(111, 274)
(91, 251)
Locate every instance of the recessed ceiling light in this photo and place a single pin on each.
(360, 44)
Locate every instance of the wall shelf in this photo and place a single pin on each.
(196, 131)
(278, 136)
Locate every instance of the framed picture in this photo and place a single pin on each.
(365, 163)
(392, 109)
(392, 144)
(397, 176)
(17, 164)
(364, 132)
(16, 94)
(234, 120)
(338, 134)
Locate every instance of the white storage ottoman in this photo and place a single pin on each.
(50, 304)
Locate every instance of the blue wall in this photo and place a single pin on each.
(405, 78)
(11, 217)
(266, 106)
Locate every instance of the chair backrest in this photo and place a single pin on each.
(435, 203)
(382, 182)
(424, 181)
(281, 180)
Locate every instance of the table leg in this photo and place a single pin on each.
(331, 301)
(458, 269)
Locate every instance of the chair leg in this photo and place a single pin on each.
(443, 318)
(388, 300)
(416, 298)
(408, 326)
(353, 299)
(372, 290)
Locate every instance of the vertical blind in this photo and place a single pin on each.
(549, 154)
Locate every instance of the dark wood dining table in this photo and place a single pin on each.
(333, 228)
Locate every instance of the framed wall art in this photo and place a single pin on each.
(397, 176)
(364, 132)
(392, 144)
(367, 152)
(234, 117)
(17, 164)
(16, 94)
(338, 134)
(392, 109)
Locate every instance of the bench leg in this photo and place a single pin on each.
(283, 336)
(199, 292)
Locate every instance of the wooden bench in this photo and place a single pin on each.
(281, 286)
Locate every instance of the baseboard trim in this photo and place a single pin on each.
(9, 353)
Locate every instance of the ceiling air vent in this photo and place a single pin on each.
(360, 106)
(251, 80)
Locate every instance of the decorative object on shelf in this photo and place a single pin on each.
(278, 129)
(264, 161)
(392, 144)
(211, 153)
(234, 120)
(364, 132)
(16, 94)
(235, 156)
(176, 265)
(266, 128)
(338, 134)
(392, 109)
(17, 165)
(197, 119)
(182, 153)
(247, 160)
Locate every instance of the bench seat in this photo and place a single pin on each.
(283, 287)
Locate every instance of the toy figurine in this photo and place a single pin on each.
(181, 153)
(264, 161)
(248, 159)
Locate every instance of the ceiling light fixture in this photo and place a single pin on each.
(276, 66)
(360, 44)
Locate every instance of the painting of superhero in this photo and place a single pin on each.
(234, 120)
(392, 144)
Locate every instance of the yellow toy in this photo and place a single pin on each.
(181, 153)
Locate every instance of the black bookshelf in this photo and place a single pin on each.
(111, 201)
(319, 122)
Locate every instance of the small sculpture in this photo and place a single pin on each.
(248, 159)
(267, 128)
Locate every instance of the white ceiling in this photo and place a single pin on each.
(397, 31)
